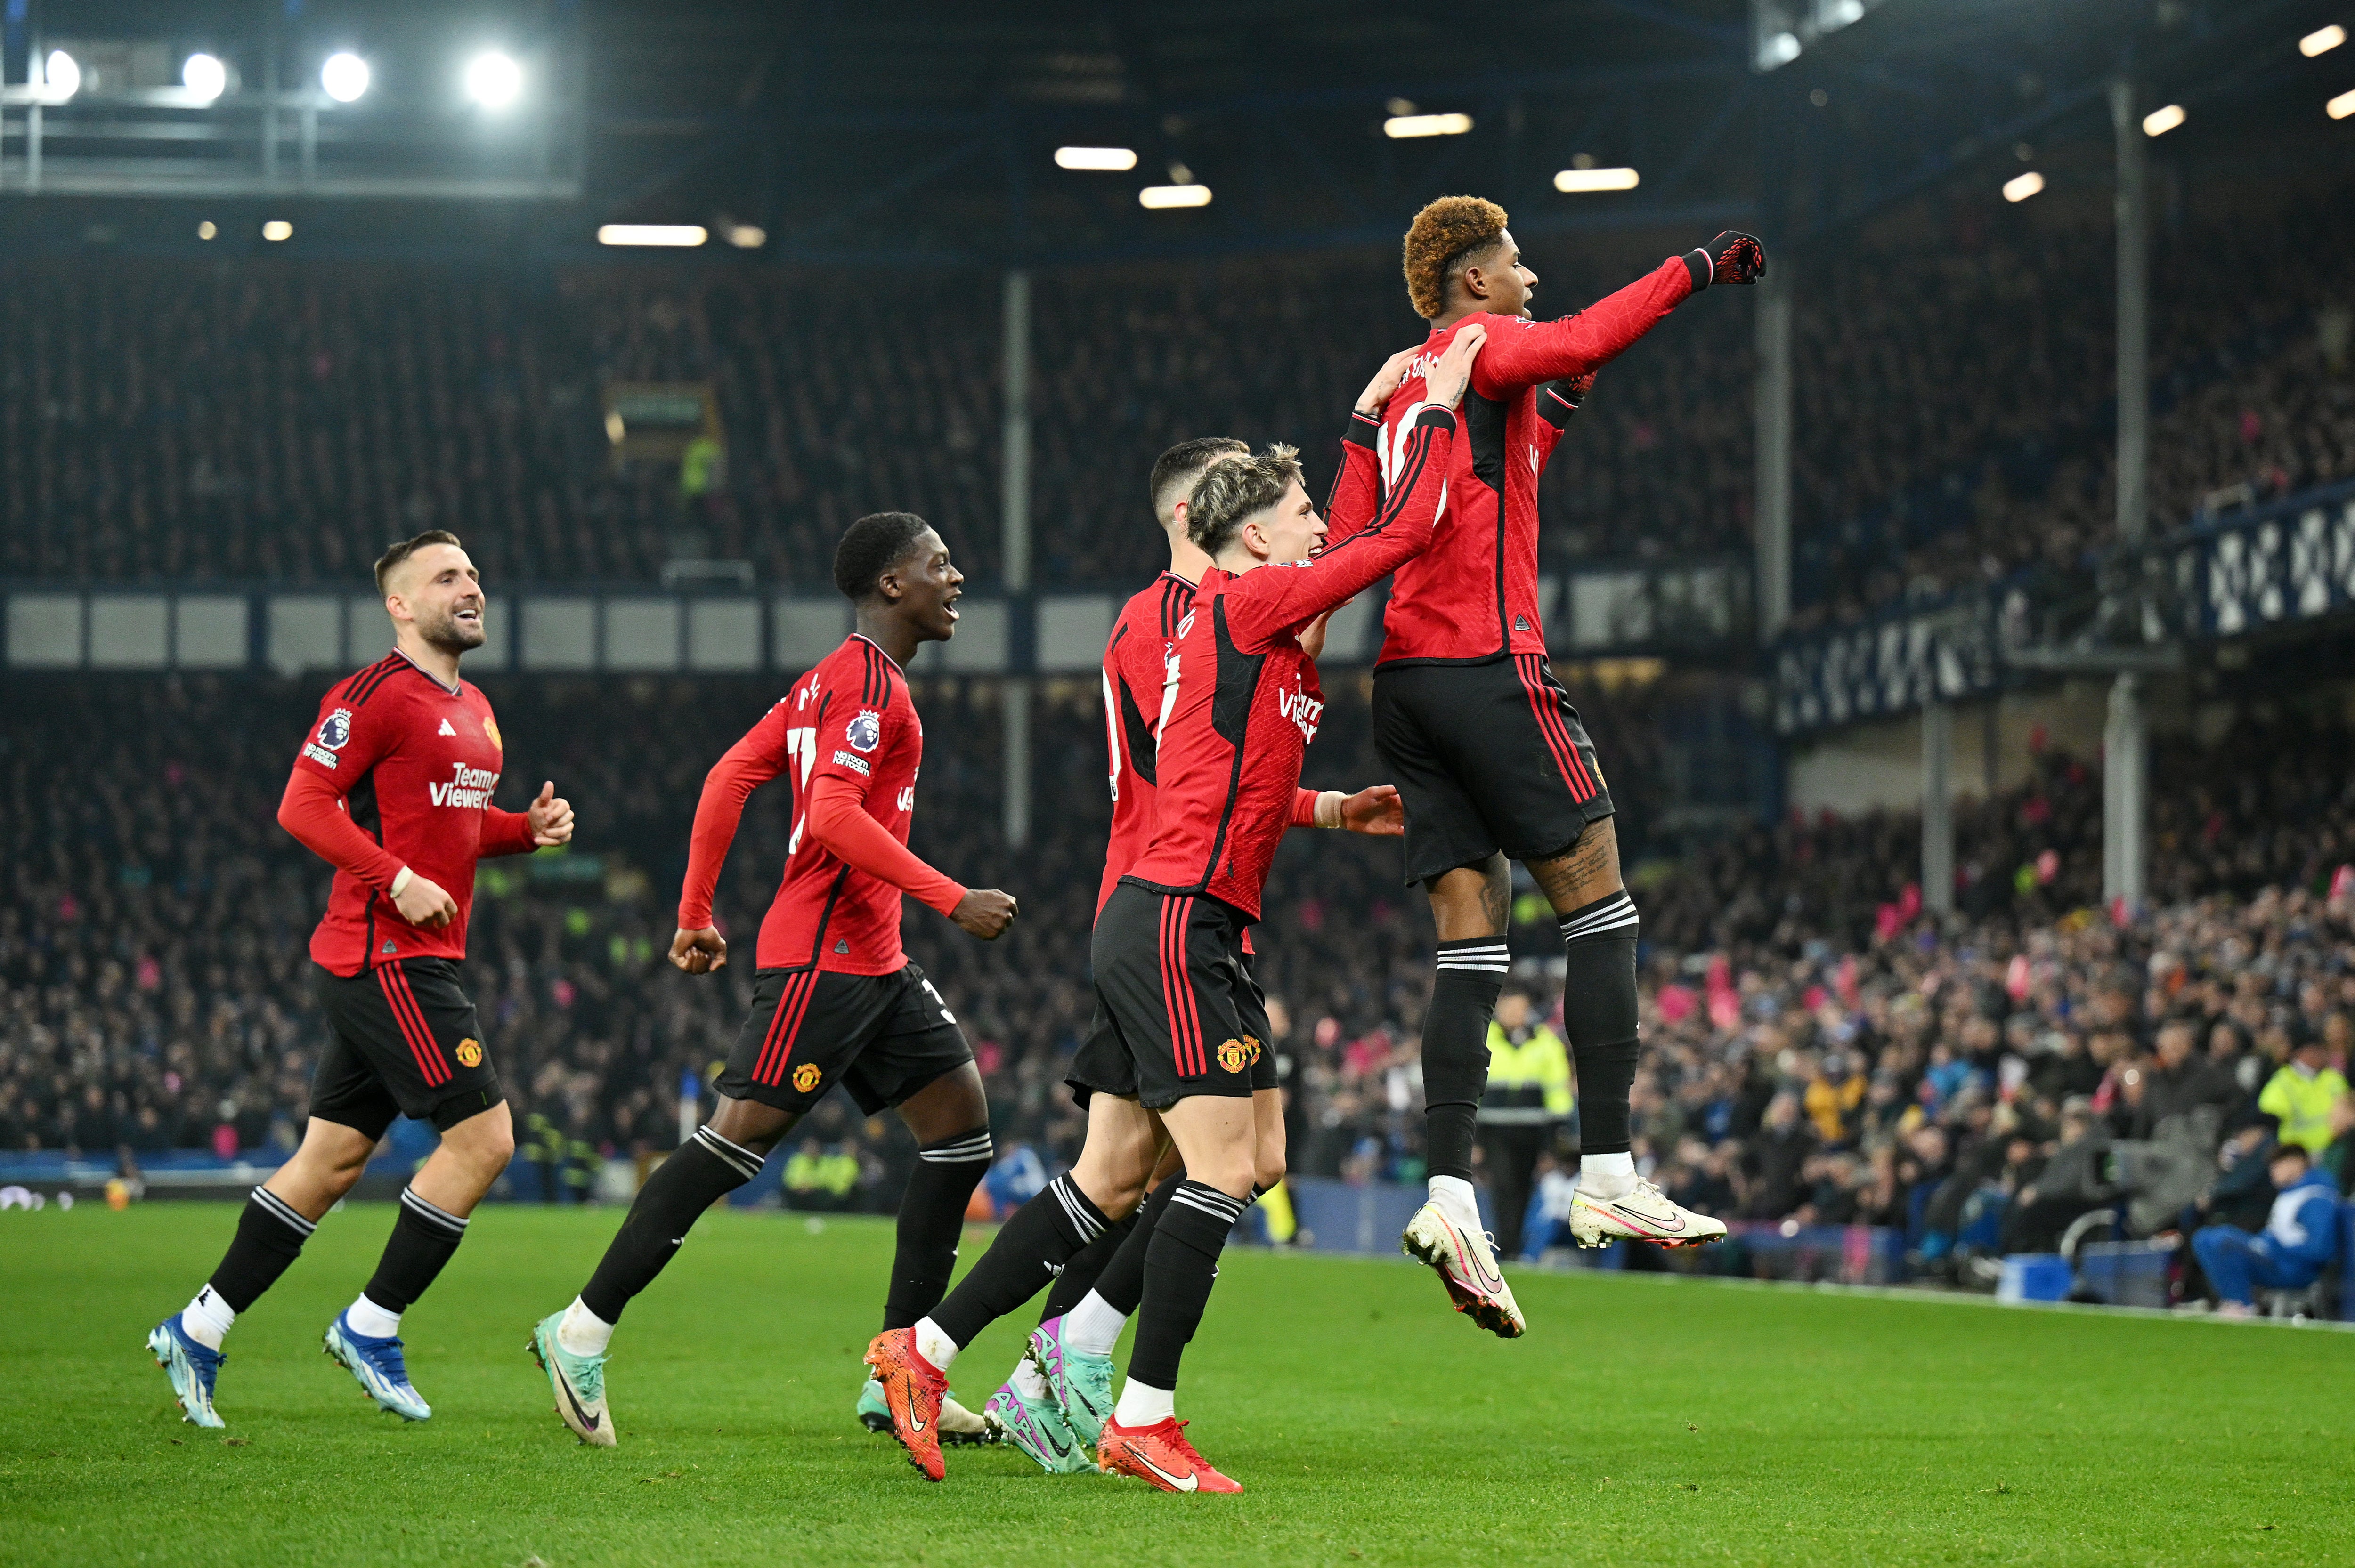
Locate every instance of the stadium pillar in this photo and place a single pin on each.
(1014, 510)
(1772, 407)
(2125, 808)
(1938, 805)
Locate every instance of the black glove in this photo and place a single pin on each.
(1732, 256)
(1572, 389)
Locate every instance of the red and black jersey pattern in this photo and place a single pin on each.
(1473, 594)
(433, 1066)
(1135, 673)
(1243, 702)
(1547, 709)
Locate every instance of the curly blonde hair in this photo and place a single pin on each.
(1443, 234)
(1233, 489)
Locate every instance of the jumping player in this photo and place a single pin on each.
(835, 1000)
(1243, 702)
(1486, 749)
(1054, 1404)
(393, 788)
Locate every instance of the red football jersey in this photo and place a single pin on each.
(1473, 596)
(1135, 676)
(1244, 702)
(849, 718)
(416, 763)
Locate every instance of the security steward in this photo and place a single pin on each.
(1528, 1101)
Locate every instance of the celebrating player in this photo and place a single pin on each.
(393, 788)
(1241, 703)
(1053, 1407)
(1487, 752)
(835, 999)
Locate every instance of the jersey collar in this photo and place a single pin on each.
(862, 637)
(424, 672)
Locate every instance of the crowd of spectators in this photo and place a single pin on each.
(1820, 1048)
(275, 420)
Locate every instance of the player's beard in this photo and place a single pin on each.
(450, 634)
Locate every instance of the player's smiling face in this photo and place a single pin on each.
(1291, 530)
(441, 591)
(929, 587)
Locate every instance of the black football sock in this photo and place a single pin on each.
(1088, 1266)
(1123, 1284)
(1598, 1013)
(1043, 1235)
(1455, 1048)
(705, 1168)
(931, 1222)
(270, 1236)
(424, 1239)
(1180, 1267)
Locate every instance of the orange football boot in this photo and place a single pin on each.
(913, 1390)
(1160, 1455)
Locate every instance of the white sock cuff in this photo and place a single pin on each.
(1141, 1405)
(441, 1218)
(742, 1160)
(284, 1212)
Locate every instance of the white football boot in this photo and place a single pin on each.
(1643, 1213)
(1466, 1262)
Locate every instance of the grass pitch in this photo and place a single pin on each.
(1643, 1420)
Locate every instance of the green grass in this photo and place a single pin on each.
(1644, 1420)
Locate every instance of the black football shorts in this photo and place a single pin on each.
(1178, 1013)
(402, 1041)
(882, 1037)
(1487, 756)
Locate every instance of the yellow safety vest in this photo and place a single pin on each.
(2302, 1106)
(1529, 1082)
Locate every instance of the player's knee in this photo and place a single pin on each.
(485, 1141)
(1267, 1169)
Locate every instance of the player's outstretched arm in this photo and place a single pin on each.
(1576, 344)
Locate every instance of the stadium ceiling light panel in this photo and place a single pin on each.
(1401, 127)
(2340, 107)
(63, 75)
(680, 235)
(2159, 122)
(2020, 187)
(493, 80)
(1781, 30)
(344, 77)
(1572, 182)
(1157, 198)
(1113, 160)
(2322, 40)
(205, 78)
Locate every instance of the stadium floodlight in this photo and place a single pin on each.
(2322, 40)
(62, 74)
(1401, 127)
(2341, 106)
(277, 230)
(1114, 160)
(747, 235)
(344, 77)
(672, 234)
(205, 77)
(1778, 50)
(2020, 187)
(207, 230)
(493, 80)
(1572, 182)
(1159, 196)
(2159, 122)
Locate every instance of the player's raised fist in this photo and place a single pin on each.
(699, 952)
(1379, 391)
(423, 903)
(550, 819)
(1375, 811)
(1445, 383)
(1735, 256)
(985, 912)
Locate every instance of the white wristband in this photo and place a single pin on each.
(402, 879)
(1328, 808)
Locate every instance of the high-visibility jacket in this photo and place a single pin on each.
(2302, 1105)
(1529, 1078)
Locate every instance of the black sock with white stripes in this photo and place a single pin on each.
(1180, 1267)
(1122, 1284)
(270, 1236)
(1031, 1248)
(931, 1219)
(1455, 1048)
(705, 1168)
(1092, 1264)
(1598, 1014)
(424, 1239)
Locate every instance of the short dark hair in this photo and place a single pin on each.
(396, 554)
(871, 547)
(1230, 491)
(1182, 466)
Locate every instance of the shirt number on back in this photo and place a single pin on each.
(801, 745)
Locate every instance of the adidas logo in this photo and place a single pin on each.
(842, 947)
(446, 729)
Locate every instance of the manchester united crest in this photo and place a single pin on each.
(805, 1076)
(470, 1052)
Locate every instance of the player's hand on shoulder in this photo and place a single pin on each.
(985, 912)
(550, 817)
(1445, 382)
(424, 904)
(699, 952)
(1375, 811)
(1385, 384)
(1312, 636)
